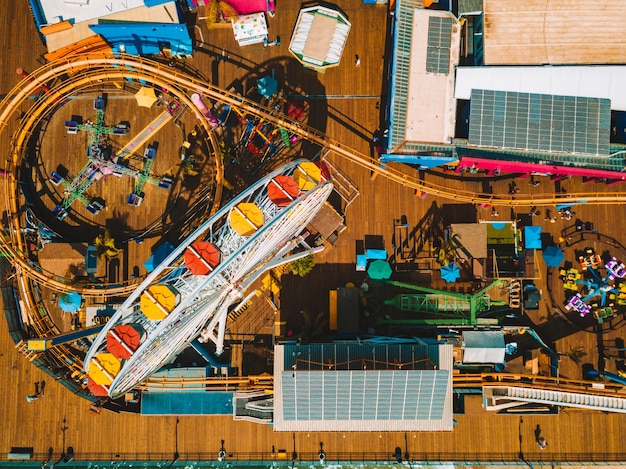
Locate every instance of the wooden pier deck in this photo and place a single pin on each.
(351, 115)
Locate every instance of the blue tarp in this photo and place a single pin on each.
(158, 256)
(361, 262)
(376, 254)
(146, 38)
(187, 403)
(423, 161)
(532, 237)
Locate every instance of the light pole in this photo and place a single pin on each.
(519, 430)
(221, 455)
(406, 449)
(63, 430)
(294, 455)
(176, 455)
(321, 454)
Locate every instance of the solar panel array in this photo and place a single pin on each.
(531, 121)
(438, 46)
(364, 395)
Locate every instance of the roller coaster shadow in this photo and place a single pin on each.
(302, 84)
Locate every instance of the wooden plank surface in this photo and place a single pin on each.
(351, 117)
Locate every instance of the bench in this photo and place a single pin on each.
(20, 453)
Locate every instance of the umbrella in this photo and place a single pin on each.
(282, 190)
(103, 368)
(553, 256)
(532, 237)
(267, 86)
(146, 96)
(123, 340)
(379, 270)
(450, 272)
(246, 218)
(202, 257)
(96, 389)
(70, 302)
(158, 301)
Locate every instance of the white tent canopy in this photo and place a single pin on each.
(319, 37)
(483, 347)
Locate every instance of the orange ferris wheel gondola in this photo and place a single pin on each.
(202, 257)
(282, 190)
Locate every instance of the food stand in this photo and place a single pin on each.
(250, 29)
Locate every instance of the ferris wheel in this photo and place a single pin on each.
(190, 292)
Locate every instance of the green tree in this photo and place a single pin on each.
(576, 354)
(313, 328)
(302, 266)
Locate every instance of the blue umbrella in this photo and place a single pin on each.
(450, 272)
(553, 256)
(532, 237)
(379, 270)
(70, 302)
(267, 86)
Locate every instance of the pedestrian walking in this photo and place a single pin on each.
(357, 61)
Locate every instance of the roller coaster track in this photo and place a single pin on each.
(68, 79)
(462, 381)
(69, 76)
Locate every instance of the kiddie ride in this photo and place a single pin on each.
(600, 295)
(101, 163)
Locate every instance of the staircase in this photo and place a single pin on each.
(22, 347)
(502, 397)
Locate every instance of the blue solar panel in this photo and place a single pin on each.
(541, 122)
(364, 395)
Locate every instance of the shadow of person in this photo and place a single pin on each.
(42, 386)
(537, 432)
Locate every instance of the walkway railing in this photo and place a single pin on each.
(311, 458)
